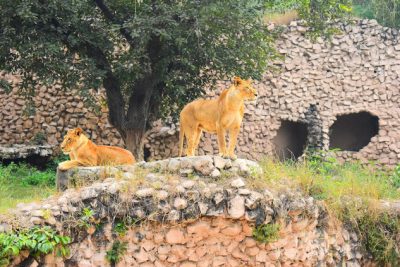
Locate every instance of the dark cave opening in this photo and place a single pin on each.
(353, 131)
(290, 140)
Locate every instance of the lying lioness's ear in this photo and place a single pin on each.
(236, 80)
(249, 80)
(78, 131)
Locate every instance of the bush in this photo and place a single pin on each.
(266, 233)
(38, 241)
(116, 252)
(26, 175)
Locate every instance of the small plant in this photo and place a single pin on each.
(116, 252)
(39, 138)
(266, 233)
(88, 221)
(120, 228)
(38, 241)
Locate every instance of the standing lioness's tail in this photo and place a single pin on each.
(181, 137)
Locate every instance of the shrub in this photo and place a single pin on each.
(26, 175)
(116, 252)
(38, 241)
(266, 233)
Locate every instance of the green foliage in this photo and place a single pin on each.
(120, 228)
(395, 178)
(278, 6)
(378, 232)
(323, 177)
(26, 175)
(386, 12)
(351, 192)
(322, 14)
(22, 183)
(88, 220)
(266, 233)
(116, 252)
(152, 57)
(38, 241)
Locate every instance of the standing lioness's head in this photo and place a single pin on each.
(73, 139)
(245, 88)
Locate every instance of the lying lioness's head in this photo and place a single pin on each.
(245, 88)
(73, 139)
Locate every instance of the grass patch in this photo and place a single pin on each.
(266, 233)
(324, 178)
(23, 183)
(351, 192)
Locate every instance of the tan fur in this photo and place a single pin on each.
(219, 115)
(83, 152)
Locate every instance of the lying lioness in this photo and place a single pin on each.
(83, 152)
(219, 115)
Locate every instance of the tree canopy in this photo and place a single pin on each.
(151, 56)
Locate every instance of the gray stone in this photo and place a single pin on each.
(173, 165)
(236, 207)
(204, 165)
(188, 184)
(238, 183)
(215, 173)
(145, 192)
(180, 203)
(162, 195)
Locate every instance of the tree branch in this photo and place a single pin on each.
(108, 14)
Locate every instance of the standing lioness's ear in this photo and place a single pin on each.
(236, 80)
(78, 131)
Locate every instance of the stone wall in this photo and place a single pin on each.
(56, 111)
(314, 84)
(184, 216)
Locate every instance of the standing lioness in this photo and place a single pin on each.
(83, 152)
(219, 115)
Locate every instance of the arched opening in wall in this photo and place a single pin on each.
(146, 153)
(353, 131)
(290, 140)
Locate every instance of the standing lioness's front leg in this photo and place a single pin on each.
(221, 141)
(233, 134)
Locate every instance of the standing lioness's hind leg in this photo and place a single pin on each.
(197, 139)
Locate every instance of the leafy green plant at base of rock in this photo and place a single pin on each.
(116, 252)
(266, 233)
(38, 241)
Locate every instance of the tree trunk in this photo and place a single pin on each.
(134, 142)
(137, 116)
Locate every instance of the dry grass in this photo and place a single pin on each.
(281, 18)
(330, 181)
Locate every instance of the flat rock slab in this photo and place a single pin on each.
(83, 176)
(24, 151)
(204, 166)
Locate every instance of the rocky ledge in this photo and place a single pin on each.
(173, 201)
(24, 151)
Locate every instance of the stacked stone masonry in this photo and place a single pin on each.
(359, 70)
(188, 218)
